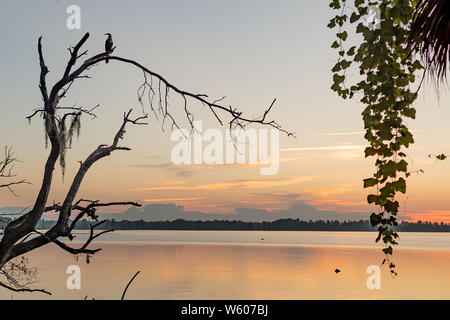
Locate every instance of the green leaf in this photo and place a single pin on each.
(336, 67)
(375, 219)
(354, 17)
(417, 65)
(388, 250)
(369, 151)
(342, 35)
(389, 169)
(351, 51)
(335, 4)
(391, 206)
(332, 24)
(410, 113)
(406, 139)
(372, 198)
(400, 185)
(370, 182)
(402, 165)
(345, 64)
(338, 79)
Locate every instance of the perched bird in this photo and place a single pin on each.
(108, 45)
(337, 270)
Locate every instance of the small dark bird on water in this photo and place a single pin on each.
(337, 270)
(108, 45)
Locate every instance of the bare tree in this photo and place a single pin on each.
(17, 239)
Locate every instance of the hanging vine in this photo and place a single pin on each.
(387, 70)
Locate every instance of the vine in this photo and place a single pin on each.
(387, 69)
(440, 157)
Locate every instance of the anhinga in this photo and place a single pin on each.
(108, 45)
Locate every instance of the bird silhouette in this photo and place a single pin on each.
(108, 45)
(337, 270)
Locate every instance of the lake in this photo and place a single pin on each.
(245, 265)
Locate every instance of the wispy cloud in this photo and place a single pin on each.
(335, 203)
(354, 133)
(348, 154)
(347, 133)
(171, 183)
(172, 199)
(430, 215)
(241, 184)
(330, 148)
(179, 171)
(326, 192)
(165, 183)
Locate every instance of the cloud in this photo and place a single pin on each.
(170, 211)
(172, 199)
(340, 203)
(171, 183)
(179, 171)
(239, 184)
(349, 133)
(430, 215)
(341, 133)
(325, 192)
(327, 148)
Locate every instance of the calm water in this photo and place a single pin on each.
(246, 265)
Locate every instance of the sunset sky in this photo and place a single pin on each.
(249, 51)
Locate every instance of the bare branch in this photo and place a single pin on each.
(7, 171)
(237, 117)
(23, 289)
(19, 276)
(44, 71)
(126, 288)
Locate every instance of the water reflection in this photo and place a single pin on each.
(220, 271)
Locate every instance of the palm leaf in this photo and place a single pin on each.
(430, 36)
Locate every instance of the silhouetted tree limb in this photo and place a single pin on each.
(23, 289)
(126, 288)
(19, 276)
(161, 90)
(7, 171)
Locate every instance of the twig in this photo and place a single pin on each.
(126, 288)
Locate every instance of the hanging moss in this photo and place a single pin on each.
(65, 137)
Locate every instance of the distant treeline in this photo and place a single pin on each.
(278, 225)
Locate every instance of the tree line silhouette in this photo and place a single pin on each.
(278, 225)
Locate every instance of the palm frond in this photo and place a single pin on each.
(430, 36)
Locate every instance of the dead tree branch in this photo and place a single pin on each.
(23, 289)
(126, 288)
(7, 171)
